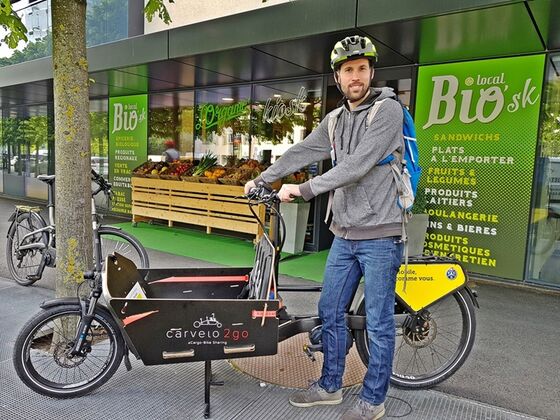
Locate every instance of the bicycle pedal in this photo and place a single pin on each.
(310, 349)
(309, 353)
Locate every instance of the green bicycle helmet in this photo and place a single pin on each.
(350, 48)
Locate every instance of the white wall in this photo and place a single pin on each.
(186, 12)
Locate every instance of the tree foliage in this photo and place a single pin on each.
(32, 51)
(550, 123)
(11, 22)
(154, 7)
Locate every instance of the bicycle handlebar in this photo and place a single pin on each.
(102, 183)
(263, 193)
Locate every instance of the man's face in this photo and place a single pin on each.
(354, 77)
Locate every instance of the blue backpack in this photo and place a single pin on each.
(409, 177)
(406, 178)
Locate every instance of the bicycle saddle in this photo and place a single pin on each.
(49, 179)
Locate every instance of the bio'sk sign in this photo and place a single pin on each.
(477, 131)
(128, 144)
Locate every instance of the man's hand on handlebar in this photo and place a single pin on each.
(249, 186)
(288, 192)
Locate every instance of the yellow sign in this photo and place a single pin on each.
(427, 283)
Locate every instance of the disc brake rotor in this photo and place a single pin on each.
(421, 336)
(63, 359)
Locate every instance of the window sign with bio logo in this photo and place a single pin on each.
(477, 131)
(128, 130)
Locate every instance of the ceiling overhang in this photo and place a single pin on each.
(260, 45)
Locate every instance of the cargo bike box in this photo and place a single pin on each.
(191, 314)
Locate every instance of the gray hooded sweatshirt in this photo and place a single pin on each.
(364, 204)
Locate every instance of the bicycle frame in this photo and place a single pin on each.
(41, 241)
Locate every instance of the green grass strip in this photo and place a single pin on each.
(220, 249)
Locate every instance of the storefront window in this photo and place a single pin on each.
(543, 250)
(283, 114)
(222, 120)
(171, 117)
(98, 117)
(25, 140)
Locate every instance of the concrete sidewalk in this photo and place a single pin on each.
(514, 365)
(176, 391)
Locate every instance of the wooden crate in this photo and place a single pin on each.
(211, 205)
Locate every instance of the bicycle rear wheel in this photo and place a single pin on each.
(24, 265)
(41, 357)
(422, 360)
(116, 240)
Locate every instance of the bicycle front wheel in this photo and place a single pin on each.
(116, 240)
(41, 352)
(24, 265)
(424, 359)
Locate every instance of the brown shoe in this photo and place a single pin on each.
(365, 411)
(315, 395)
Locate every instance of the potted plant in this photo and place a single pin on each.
(295, 216)
(417, 224)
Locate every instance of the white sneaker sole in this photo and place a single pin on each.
(314, 403)
(380, 415)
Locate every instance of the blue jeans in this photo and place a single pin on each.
(378, 260)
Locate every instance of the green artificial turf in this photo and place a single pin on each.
(220, 249)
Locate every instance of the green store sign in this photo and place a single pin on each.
(210, 115)
(128, 138)
(477, 130)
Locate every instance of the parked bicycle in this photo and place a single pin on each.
(202, 314)
(31, 245)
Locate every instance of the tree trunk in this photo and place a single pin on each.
(72, 145)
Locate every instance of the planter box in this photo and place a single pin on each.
(295, 216)
(211, 205)
(416, 230)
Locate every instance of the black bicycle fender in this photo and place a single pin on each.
(472, 294)
(65, 301)
(12, 217)
(10, 227)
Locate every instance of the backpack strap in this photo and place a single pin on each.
(333, 120)
(393, 159)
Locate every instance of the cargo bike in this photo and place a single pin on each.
(175, 315)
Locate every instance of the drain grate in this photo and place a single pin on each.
(176, 391)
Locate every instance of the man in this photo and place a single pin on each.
(170, 154)
(366, 223)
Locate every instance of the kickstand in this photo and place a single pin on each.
(208, 381)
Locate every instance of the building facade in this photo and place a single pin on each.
(481, 77)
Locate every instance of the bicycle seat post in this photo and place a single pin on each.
(50, 201)
(49, 180)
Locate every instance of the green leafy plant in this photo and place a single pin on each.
(208, 161)
(154, 7)
(10, 21)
